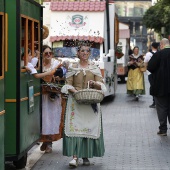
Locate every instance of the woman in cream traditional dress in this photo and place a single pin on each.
(51, 109)
(135, 81)
(83, 133)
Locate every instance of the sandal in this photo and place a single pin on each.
(43, 146)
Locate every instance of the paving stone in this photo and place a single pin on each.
(130, 134)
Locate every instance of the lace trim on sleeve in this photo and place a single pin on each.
(65, 88)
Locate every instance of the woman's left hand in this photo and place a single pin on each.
(57, 78)
(91, 83)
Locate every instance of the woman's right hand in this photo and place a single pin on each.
(52, 72)
(131, 62)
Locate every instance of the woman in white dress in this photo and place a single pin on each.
(51, 109)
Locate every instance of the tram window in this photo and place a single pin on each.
(30, 41)
(36, 43)
(30, 34)
(1, 45)
(23, 37)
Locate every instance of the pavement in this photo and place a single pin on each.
(130, 135)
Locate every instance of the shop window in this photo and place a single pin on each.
(30, 41)
(68, 48)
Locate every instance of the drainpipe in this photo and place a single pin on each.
(108, 23)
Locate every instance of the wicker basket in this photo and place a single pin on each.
(50, 87)
(88, 96)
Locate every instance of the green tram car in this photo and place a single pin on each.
(20, 94)
(2, 109)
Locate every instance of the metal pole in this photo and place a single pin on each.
(108, 23)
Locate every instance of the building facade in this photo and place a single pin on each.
(131, 12)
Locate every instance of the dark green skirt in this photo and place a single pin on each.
(83, 147)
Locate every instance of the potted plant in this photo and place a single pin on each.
(118, 52)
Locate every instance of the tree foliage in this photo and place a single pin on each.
(39, 1)
(158, 16)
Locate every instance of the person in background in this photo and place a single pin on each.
(22, 58)
(83, 132)
(135, 82)
(159, 66)
(148, 56)
(35, 59)
(130, 52)
(30, 68)
(51, 110)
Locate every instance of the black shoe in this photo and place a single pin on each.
(52, 96)
(43, 146)
(162, 133)
(136, 98)
(86, 161)
(152, 106)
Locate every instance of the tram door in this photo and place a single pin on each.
(22, 94)
(2, 111)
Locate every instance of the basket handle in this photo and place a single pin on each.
(88, 84)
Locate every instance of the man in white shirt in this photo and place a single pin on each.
(148, 56)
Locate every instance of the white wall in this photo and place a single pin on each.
(123, 26)
(46, 20)
(61, 24)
